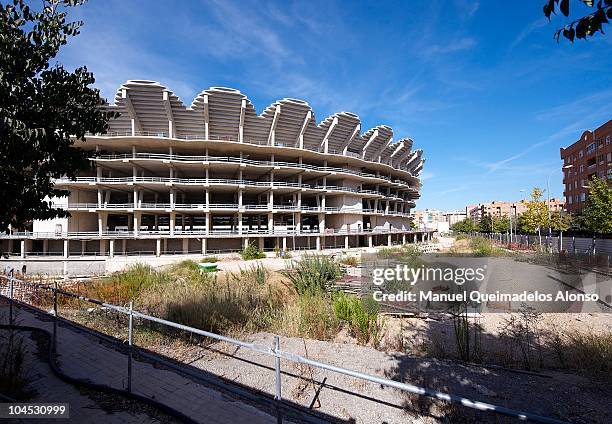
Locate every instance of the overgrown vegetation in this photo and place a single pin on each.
(313, 273)
(483, 247)
(360, 314)
(13, 381)
(251, 252)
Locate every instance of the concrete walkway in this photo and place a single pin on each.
(85, 355)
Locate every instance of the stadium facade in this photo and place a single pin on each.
(216, 176)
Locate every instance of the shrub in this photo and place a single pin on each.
(481, 246)
(589, 353)
(313, 273)
(209, 259)
(252, 252)
(13, 379)
(350, 261)
(360, 314)
(311, 316)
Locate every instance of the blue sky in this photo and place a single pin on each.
(480, 86)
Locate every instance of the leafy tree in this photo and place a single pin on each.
(597, 214)
(501, 224)
(583, 27)
(43, 109)
(536, 216)
(486, 224)
(560, 221)
(464, 226)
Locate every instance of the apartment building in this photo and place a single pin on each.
(589, 157)
(454, 217)
(501, 208)
(216, 176)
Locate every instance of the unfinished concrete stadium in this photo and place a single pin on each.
(216, 176)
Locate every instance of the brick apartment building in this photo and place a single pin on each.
(500, 208)
(590, 156)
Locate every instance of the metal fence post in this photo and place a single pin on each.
(277, 378)
(11, 300)
(130, 326)
(55, 299)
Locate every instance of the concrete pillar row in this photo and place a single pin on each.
(66, 245)
(204, 246)
(346, 242)
(111, 248)
(158, 247)
(370, 242)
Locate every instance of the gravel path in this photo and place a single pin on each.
(563, 396)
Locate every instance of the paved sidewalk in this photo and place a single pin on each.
(85, 355)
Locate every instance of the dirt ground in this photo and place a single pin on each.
(556, 394)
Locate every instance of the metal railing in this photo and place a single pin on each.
(237, 160)
(225, 181)
(274, 351)
(161, 134)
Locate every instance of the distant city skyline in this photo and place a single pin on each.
(485, 91)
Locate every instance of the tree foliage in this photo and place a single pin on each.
(464, 226)
(536, 216)
(501, 224)
(43, 109)
(560, 221)
(583, 27)
(597, 214)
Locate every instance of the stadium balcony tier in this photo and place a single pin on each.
(216, 176)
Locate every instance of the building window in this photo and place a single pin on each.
(581, 168)
(580, 154)
(608, 140)
(609, 157)
(591, 148)
(610, 173)
(600, 159)
(582, 197)
(570, 200)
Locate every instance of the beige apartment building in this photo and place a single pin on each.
(501, 208)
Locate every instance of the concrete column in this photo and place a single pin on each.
(370, 242)
(45, 246)
(165, 245)
(99, 198)
(239, 223)
(246, 242)
(172, 218)
(158, 247)
(404, 238)
(323, 203)
(83, 247)
(23, 249)
(185, 246)
(389, 241)
(203, 246)
(137, 217)
(318, 243)
(207, 198)
(284, 243)
(123, 246)
(134, 173)
(102, 247)
(346, 242)
(270, 223)
(322, 223)
(135, 198)
(208, 222)
(111, 248)
(240, 198)
(102, 220)
(66, 244)
(172, 198)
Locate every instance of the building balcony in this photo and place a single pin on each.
(198, 233)
(167, 158)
